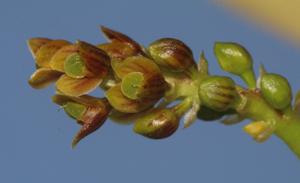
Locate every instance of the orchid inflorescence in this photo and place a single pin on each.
(142, 83)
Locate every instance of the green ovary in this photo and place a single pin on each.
(132, 85)
(74, 110)
(75, 66)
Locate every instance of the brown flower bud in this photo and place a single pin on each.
(43, 77)
(157, 124)
(172, 54)
(35, 44)
(118, 50)
(90, 112)
(45, 52)
(115, 36)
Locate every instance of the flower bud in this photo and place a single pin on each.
(142, 85)
(43, 77)
(115, 36)
(77, 87)
(57, 61)
(235, 59)
(276, 90)
(118, 50)
(90, 112)
(171, 54)
(157, 124)
(95, 59)
(92, 119)
(120, 46)
(137, 85)
(46, 51)
(34, 44)
(124, 104)
(217, 92)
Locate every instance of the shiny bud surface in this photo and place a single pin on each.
(276, 90)
(157, 124)
(171, 54)
(233, 57)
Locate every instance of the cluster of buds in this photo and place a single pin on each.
(140, 84)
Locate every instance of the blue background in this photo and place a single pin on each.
(35, 138)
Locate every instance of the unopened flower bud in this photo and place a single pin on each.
(118, 50)
(57, 61)
(43, 49)
(235, 59)
(95, 59)
(276, 90)
(120, 46)
(34, 44)
(217, 92)
(92, 119)
(157, 124)
(43, 77)
(172, 54)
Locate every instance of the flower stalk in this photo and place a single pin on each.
(141, 83)
(286, 127)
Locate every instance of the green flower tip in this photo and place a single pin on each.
(276, 90)
(235, 59)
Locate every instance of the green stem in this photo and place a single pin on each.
(284, 124)
(289, 132)
(182, 107)
(249, 78)
(287, 127)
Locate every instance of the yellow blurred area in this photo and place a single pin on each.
(279, 16)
